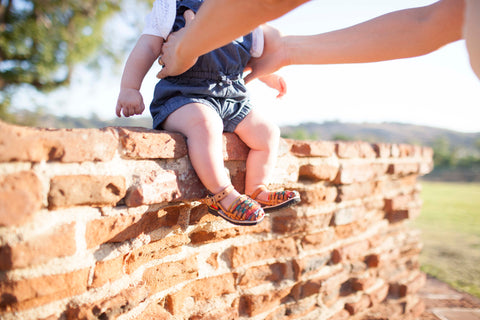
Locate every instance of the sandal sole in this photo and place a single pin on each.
(288, 203)
(235, 222)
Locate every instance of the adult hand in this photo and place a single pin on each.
(173, 59)
(273, 57)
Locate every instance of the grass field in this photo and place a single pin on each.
(450, 224)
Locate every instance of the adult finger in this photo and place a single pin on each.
(189, 16)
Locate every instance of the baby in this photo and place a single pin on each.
(208, 99)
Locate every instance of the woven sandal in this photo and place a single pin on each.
(243, 211)
(276, 200)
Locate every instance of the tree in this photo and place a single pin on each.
(41, 41)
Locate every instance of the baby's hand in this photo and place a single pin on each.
(129, 101)
(276, 82)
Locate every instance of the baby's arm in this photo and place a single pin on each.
(145, 52)
(276, 82)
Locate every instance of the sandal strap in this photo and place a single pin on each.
(258, 191)
(215, 199)
(222, 194)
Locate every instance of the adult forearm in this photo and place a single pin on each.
(221, 21)
(401, 34)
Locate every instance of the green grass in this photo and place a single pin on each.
(450, 224)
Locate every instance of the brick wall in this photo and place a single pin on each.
(105, 224)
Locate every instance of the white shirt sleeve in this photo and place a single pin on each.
(160, 20)
(257, 43)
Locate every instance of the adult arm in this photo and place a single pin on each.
(217, 23)
(400, 34)
(472, 34)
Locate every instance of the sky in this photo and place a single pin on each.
(438, 89)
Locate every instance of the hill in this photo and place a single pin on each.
(390, 132)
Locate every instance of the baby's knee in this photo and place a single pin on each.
(272, 134)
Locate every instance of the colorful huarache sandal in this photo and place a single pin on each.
(276, 200)
(243, 211)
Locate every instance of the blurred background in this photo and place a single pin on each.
(61, 63)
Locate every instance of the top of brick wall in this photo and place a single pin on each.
(27, 144)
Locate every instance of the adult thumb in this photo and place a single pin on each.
(189, 16)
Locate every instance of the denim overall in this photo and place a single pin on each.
(215, 80)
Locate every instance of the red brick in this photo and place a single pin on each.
(168, 274)
(400, 202)
(205, 235)
(318, 240)
(59, 242)
(321, 172)
(355, 149)
(308, 224)
(108, 307)
(409, 150)
(332, 285)
(379, 294)
(341, 315)
(20, 197)
(362, 284)
(107, 271)
(76, 190)
(154, 311)
(201, 290)
(141, 143)
(254, 304)
(310, 264)
(404, 168)
(34, 292)
(358, 306)
(412, 285)
(360, 172)
(313, 148)
(352, 251)
(234, 148)
(348, 215)
(228, 313)
(352, 229)
(383, 150)
(241, 255)
(165, 186)
(356, 191)
(121, 228)
(65, 145)
(307, 288)
(155, 250)
(275, 272)
(318, 194)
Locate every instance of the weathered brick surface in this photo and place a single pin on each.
(64, 145)
(313, 148)
(20, 197)
(118, 229)
(59, 242)
(139, 143)
(109, 307)
(202, 289)
(276, 248)
(75, 190)
(168, 274)
(131, 240)
(355, 150)
(28, 293)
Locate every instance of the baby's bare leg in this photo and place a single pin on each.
(203, 129)
(262, 137)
